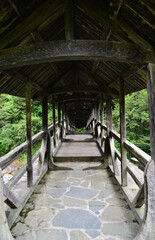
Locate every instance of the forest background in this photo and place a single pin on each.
(13, 120)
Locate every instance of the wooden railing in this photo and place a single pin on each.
(134, 196)
(41, 160)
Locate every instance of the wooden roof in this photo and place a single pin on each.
(125, 28)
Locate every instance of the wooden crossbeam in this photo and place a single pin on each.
(64, 89)
(73, 50)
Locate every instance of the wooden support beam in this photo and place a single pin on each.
(73, 50)
(54, 122)
(22, 78)
(66, 89)
(123, 135)
(29, 134)
(147, 230)
(151, 101)
(69, 19)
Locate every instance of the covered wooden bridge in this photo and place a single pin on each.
(78, 55)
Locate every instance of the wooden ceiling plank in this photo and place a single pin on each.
(31, 22)
(118, 27)
(34, 34)
(127, 74)
(73, 50)
(22, 78)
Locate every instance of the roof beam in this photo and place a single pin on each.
(64, 89)
(74, 50)
(69, 19)
(119, 28)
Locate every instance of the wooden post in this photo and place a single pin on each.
(147, 231)
(54, 127)
(108, 115)
(45, 125)
(123, 135)
(5, 233)
(102, 120)
(28, 134)
(59, 114)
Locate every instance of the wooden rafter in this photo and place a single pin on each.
(73, 50)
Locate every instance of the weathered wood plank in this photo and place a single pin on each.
(28, 134)
(123, 135)
(10, 198)
(73, 50)
(5, 232)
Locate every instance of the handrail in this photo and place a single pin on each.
(8, 158)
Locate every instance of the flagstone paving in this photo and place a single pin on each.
(76, 205)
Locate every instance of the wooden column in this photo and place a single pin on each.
(102, 120)
(28, 134)
(45, 114)
(147, 230)
(59, 114)
(108, 115)
(123, 135)
(54, 122)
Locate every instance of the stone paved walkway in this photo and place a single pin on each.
(76, 205)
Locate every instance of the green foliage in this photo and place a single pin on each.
(137, 119)
(81, 130)
(13, 121)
